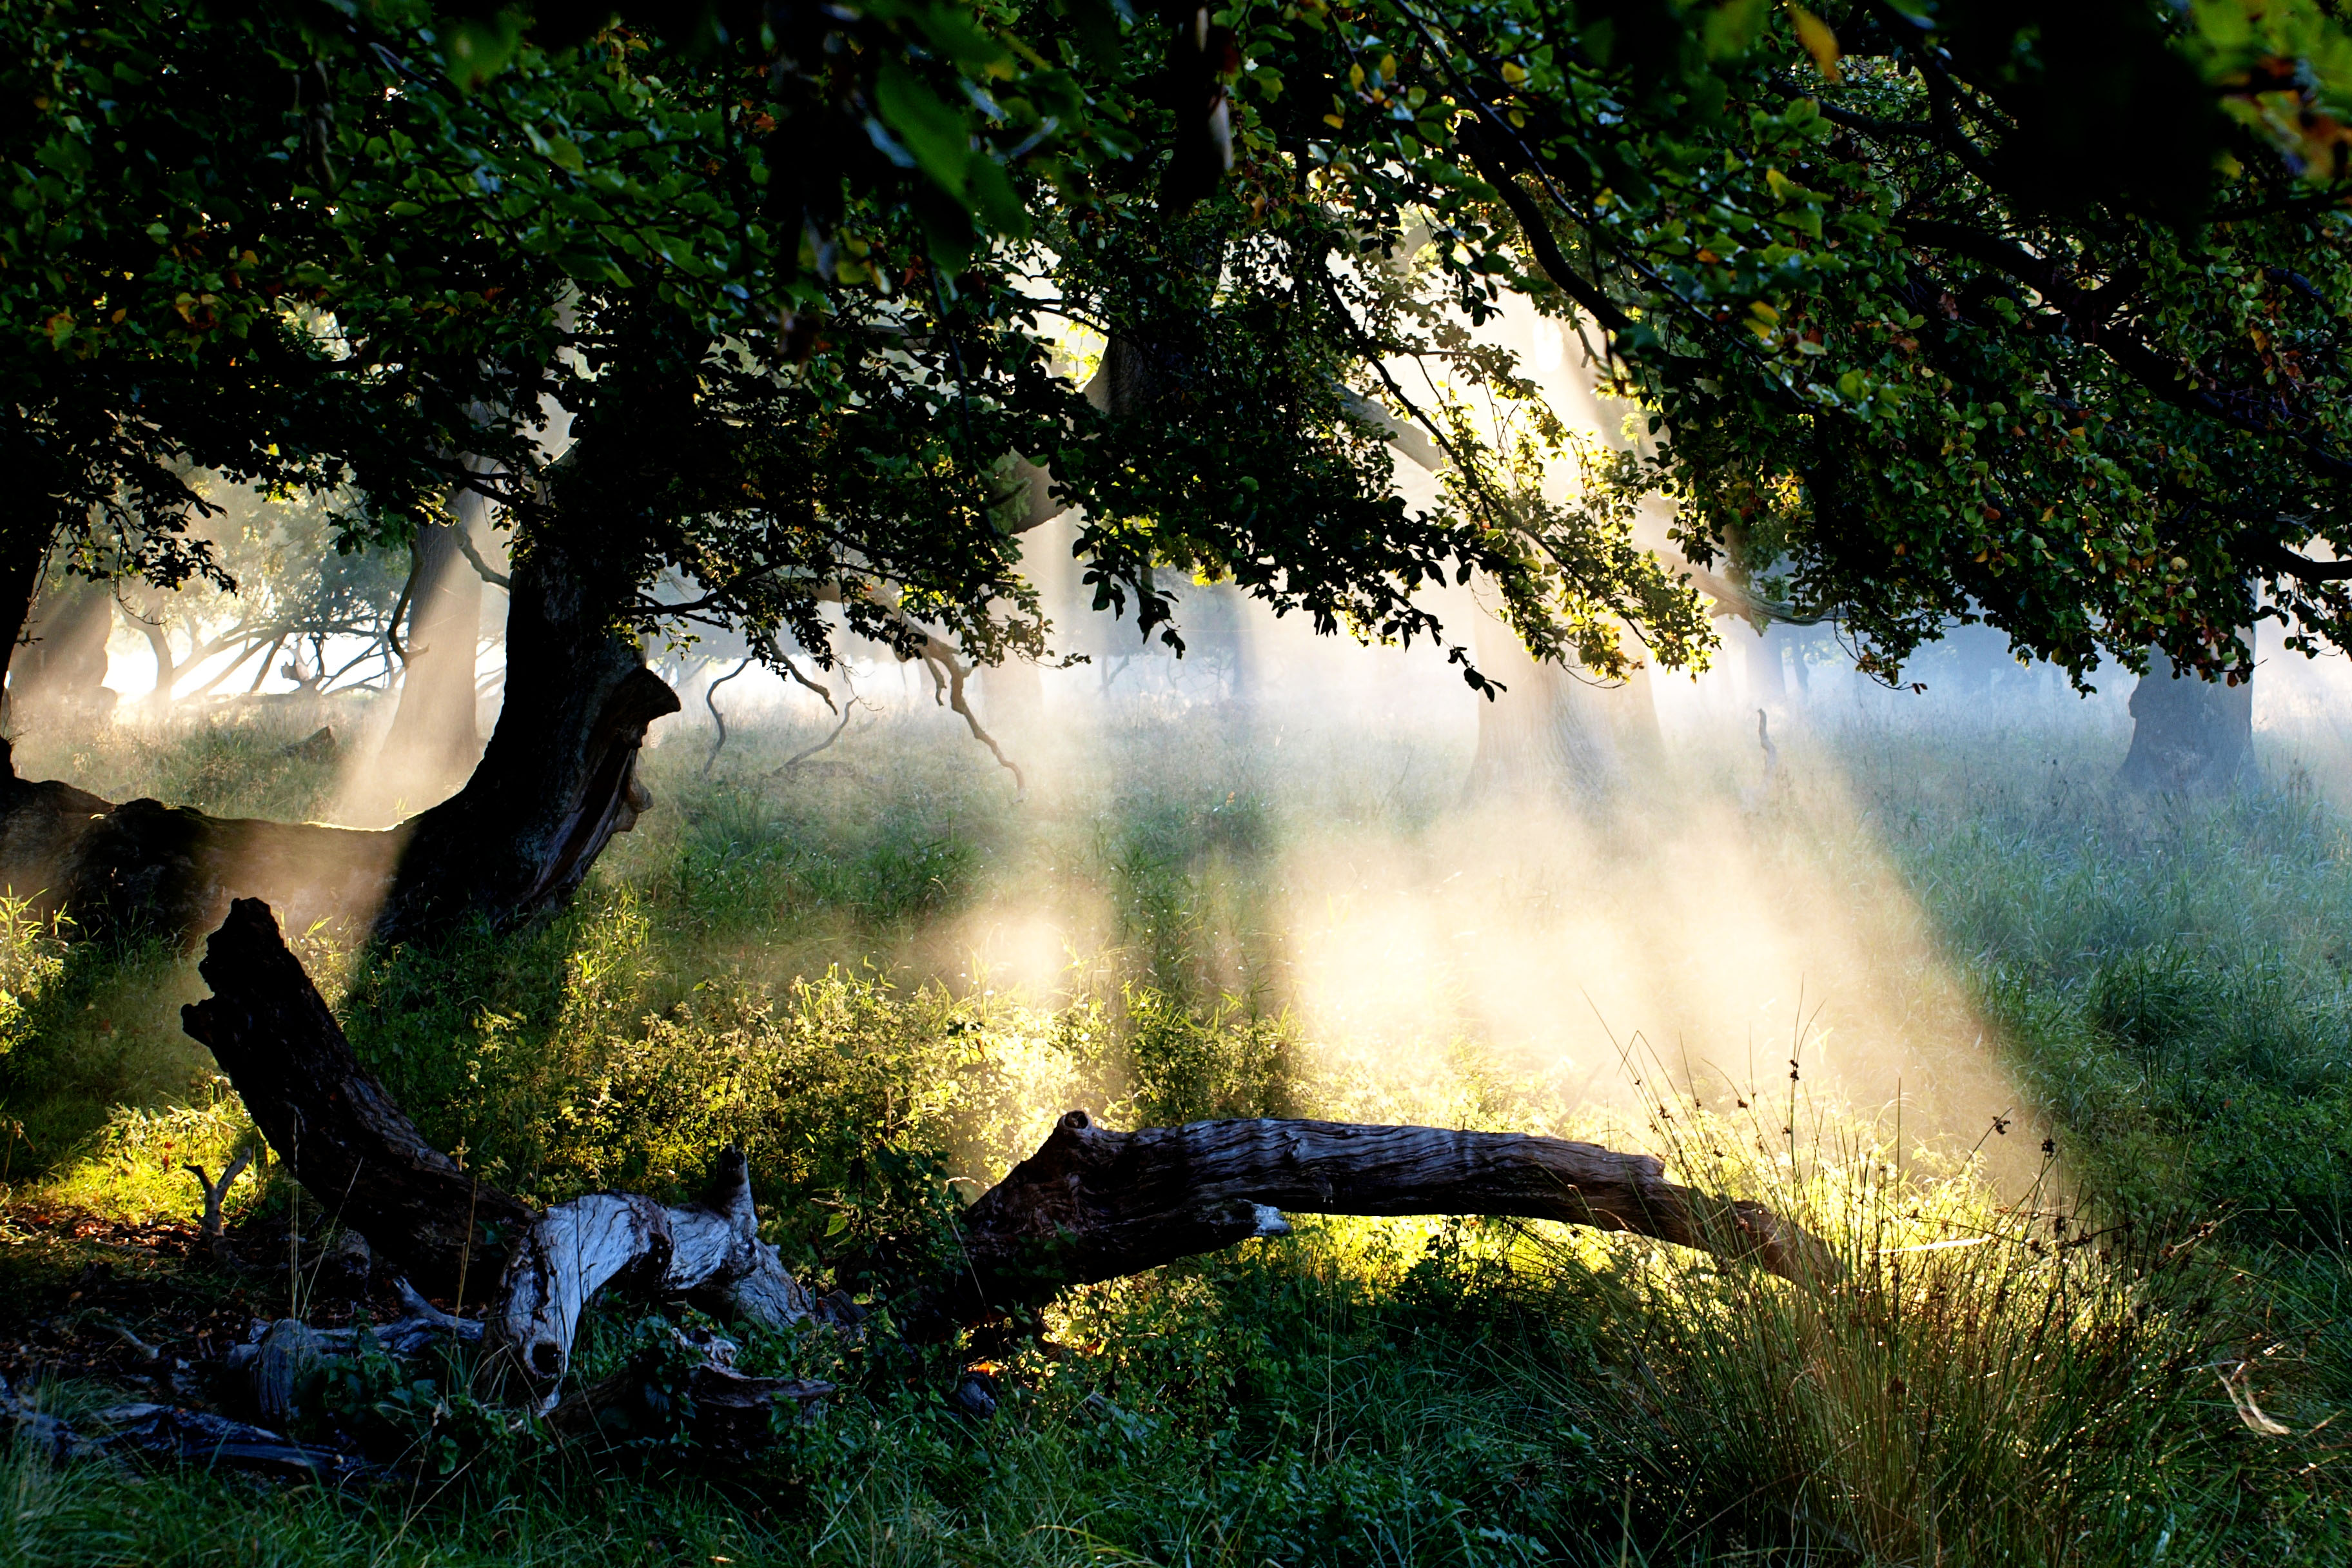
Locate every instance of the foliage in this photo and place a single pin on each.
(293, 586)
(1376, 1391)
(1918, 330)
(32, 957)
(135, 1166)
(1969, 311)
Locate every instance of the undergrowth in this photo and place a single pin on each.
(2136, 1361)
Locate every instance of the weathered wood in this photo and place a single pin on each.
(146, 867)
(1090, 1205)
(1094, 1205)
(332, 1124)
(214, 1226)
(288, 1353)
(709, 1253)
(560, 775)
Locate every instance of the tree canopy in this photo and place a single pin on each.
(1997, 310)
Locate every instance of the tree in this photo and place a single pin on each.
(295, 591)
(2011, 314)
(797, 290)
(434, 739)
(591, 237)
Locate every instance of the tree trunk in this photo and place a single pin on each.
(558, 778)
(558, 781)
(2190, 735)
(146, 867)
(25, 558)
(1095, 1204)
(432, 743)
(61, 669)
(1089, 1205)
(1767, 683)
(1555, 733)
(332, 1124)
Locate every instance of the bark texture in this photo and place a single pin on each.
(330, 1120)
(558, 778)
(24, 536)
(2190, 735)
(1095, 1204)
(708, 1252)
(143, 866)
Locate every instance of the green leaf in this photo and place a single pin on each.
(479, 49)
(1101, 25)
(999, 204)
(934, 134)
(1733, 27)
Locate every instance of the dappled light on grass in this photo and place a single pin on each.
(886, 980)
(135, 1166)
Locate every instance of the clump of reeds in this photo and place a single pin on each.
(1973, 1380)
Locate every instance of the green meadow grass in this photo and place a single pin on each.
(775, 959)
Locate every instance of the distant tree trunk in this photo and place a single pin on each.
(558, 777)
(1765, 679)
(2190, 735)
(24, 556)
(1554, 734)
(433, 742)
(62, 667)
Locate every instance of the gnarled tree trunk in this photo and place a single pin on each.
(2190, 735)
(145, 866)
(1089, 1205)
(1092, 1204)
(558, 781)
(330, 1120)
(560, 775)
(27, 527)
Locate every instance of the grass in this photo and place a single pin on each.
(2066, 1366)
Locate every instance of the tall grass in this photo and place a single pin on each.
(2063, 1375)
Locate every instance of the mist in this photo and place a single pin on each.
(1681, 884)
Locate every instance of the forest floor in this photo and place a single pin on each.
(2068, 1087)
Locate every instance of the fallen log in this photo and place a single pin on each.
(330, 1120)
(170, 1432)
(1090, 1205)
(1094, 1205)
(727, 1411)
